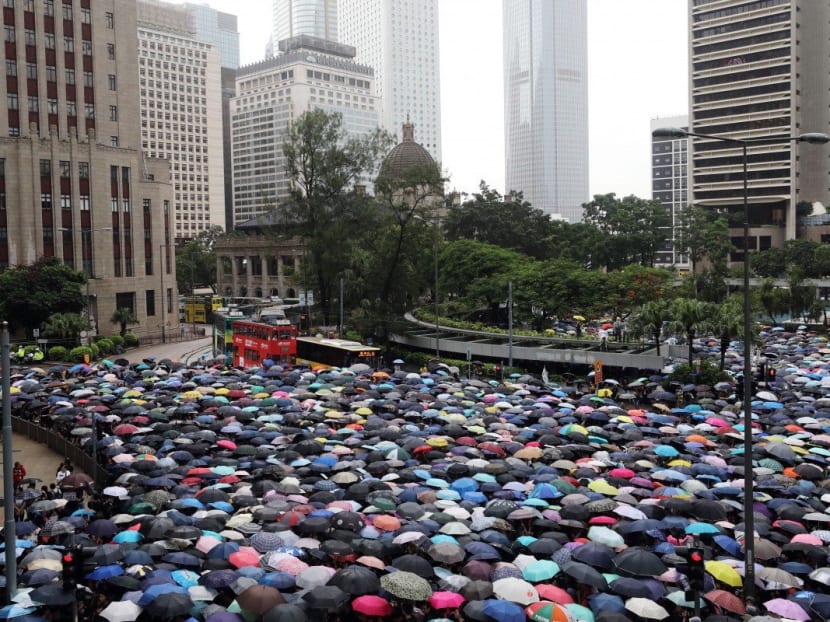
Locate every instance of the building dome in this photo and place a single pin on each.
(405, 155)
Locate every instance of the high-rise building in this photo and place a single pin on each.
(669, 181)
(216, 27)
(546, 104)
(220, 29)
(308, 73)
(181, 111)
(759, 68)
(316, 18)
(399, 40)
(83, 191)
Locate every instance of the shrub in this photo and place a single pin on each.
(117, 340)
(94, 350)
(130, 340)
(105, 346)
(57, 353)
(77, 355)
(709, 374)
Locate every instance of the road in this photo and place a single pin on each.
(185, 351)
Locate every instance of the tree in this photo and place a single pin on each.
(65, 326)
(774, 300)
(634, 228)
(727, 322)
(30, 295)
(649, 320)
(123, 316)
(704, 234)
(506, 221)
(325, 164)
(689, 316)
(770, 263)
(196, 261)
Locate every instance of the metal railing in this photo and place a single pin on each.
(60, 445)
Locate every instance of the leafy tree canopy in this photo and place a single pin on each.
(29, 295)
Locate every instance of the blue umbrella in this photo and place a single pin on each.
(154, 591)
(14, 611)
(105, 572)
(702, 528)
(503, 610)
(606, 602)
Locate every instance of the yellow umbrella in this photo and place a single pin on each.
(680, 462)
(579, 318)
(363, 411)
(603, 487)
(528, 453)
(437, 441)
(724, 573)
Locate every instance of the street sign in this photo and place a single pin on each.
(301, 297)
(597, 372)
(36, 332)
(42, 342)
(310, 297)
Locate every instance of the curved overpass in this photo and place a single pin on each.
(531, 351)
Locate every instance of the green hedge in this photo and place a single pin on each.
(117, 340)
(130, 340)
(57, 353)
(105, 346)
(77, 355)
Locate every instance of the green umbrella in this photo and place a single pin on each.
(406, 586)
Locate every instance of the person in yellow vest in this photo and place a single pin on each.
(38, 355)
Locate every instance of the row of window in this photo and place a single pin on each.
(66, 8)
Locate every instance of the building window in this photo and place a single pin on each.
(86, 16)
(111, 80)
(71, 109)
(31, 71)
(52, 105)
(11, 101)
(86, 47)
(113, 113)
(67, 11)
(46, 168)
(88, 79)
(49, 39)
(113, 141)
(65, 167)
(114, 205)
(150, 299)
(110, 20)
(14, 130)
(11, 68)
(84, 199)
(46, 200)
(66, 201)
(8, 3)
(9, 34)
(30, 36)
(33, 107)
(90, 111)
(83, 170)
(111, 51)
(51, 72)
(49, 7)
(146, 205)
(68, 42)
(125, 204)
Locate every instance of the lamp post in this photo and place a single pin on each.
(435, 258)
(749, 509)
(162, 267)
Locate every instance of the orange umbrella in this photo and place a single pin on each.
(554, 593)
(385, 522)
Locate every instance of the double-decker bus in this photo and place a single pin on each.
(255, 342)
(223, 320)
(199, 309)
(324, 352)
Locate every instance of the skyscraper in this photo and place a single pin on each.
(399, 40)
(316, 18)
(181, 112)
(308, 73)
(81, 189)
(215, 27)
(669, 180)
(546, 104)
(758, 68)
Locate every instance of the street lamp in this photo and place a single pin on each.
(813, 138)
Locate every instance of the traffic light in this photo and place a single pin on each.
(697, 569)
(771, 374)
(498, 371)
(68, 569)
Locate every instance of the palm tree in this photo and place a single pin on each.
(650, 319)
(727, 322)
(123, 316)
(689, 317)
(65, 326)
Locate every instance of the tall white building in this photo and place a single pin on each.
(546, 104)
(316, 18)
(399, 39)
(669, 185)
(309, 73)
(181, 111)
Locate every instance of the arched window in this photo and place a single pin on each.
(258, 292)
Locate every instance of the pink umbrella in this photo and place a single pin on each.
(205, 543)
(807, 538)
(446, 600)
(245, 556)
(554, 593)
(291, 565)
(226, 444)
(786, 609)
(622, 473)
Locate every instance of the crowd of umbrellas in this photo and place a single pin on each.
(288, 494)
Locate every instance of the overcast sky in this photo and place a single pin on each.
(637, 70)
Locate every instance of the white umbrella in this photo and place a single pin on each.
(515, 590)
(646, 608)
(121, 611)
(115, 491)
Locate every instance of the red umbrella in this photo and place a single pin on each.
(554, 593)
(372, 605)
(245, 556)
(125, 429)
(446, 600)
(726, 600)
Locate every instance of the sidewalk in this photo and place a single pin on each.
(40, 461)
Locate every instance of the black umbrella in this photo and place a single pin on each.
(52, 595)
(169, 605)
(327, 597)
(594, 554)
(583, 573)
(356, 580)
(639, 563)
(414, 564)
(285, 613)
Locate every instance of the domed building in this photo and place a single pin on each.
(409, 168)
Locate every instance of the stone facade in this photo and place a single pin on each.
(258, 265)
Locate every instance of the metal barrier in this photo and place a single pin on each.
(60, 445)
